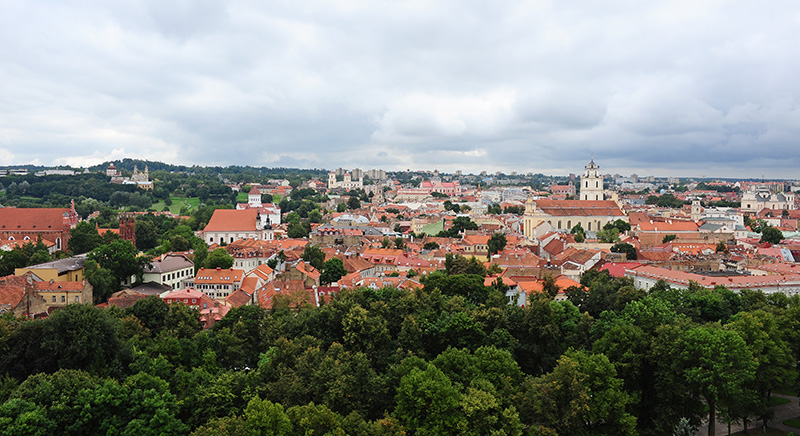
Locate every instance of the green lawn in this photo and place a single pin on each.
(777, 401)
(178, 203)
(242, 197)
(794, 422)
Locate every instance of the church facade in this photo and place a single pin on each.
(592, 211)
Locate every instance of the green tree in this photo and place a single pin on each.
(771, 352)
(620, 225)
(146, 234)
(580, 234)
(427, 402)
(298, 230)
(263, 417)
(314, 216)
(121, 258)
(628, 249)
(219, 258)
(771, 235)
(399, 243)
(430, 245)
(582, 395)
(151, 311)
(102, 280)
(83, 238)
(718, 366)
(314, 255)
(179, 243)
(460, 224)
(668, 238)
(608, 235)
(332, 271)
(82, 337)
(353, 203)
(496, 243)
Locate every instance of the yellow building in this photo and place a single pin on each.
(565, 214)
(58, 294)
(62, 270)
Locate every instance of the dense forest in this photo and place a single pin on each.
(452, 358)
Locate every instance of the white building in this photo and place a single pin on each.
(592, 183)
(228, 225)
(268, 214)
(347, 183)
(754, 200)
(170, 270)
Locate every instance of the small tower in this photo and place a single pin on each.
(254, 198)
(530, 206)
(592, 183)
(127, 228)
(331, 180)
(696, 210)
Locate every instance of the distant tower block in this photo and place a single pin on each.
(592, 183)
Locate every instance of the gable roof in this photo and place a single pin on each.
(231, 220)
(168, 263)
(59, 286)
(218, 275)
(44, 219)
(579, 207)
(12, 288)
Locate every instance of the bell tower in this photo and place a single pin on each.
(592, 182)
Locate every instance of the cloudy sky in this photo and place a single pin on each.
(688, 88)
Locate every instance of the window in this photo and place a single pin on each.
(77, 299)
(54, 298)
(63, 299)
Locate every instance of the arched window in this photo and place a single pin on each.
(590, 226)
(569, 224)
(596, 184)
(559, 224)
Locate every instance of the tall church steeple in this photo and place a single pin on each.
(592, 182)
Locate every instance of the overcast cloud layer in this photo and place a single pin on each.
(665, 88)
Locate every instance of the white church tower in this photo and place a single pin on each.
(592, 183)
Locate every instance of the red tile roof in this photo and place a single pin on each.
(59, 286)
(230, 220)
(11, 290)
(579, 207)
(215, 276)
(12, 218)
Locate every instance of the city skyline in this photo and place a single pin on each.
(671, 89)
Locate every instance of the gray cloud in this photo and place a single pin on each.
(673, 87)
